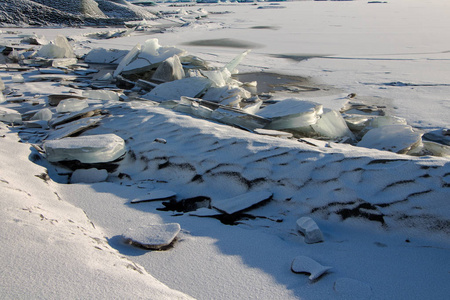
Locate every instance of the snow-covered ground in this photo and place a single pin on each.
(385, 218)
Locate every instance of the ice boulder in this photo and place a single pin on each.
(310, 230)
(44, 114)
(173, 90)
(71, 105)
(152, 237)
(86, 149)
(88, 175)
(291, 114)
(169, 70)
(394, 138)
(304, 264)
(10, 116)
(59, 48)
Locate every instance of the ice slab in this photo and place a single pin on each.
(54, 99)
(17, 78)
(291, 113)
(10, 115)
(105, 56)
(304, 264)
(394, 138)
(239, 118)
(64, 62)
(205, 212)
(131, 55)
(169, 70)
(241, 202)
(331, 124)
(222, 94)
(386, 120)
(155, 195)
(173, 90)
(101, 95)
(86, 149)
(89, 175)
(71, 105)
(310, 230)
(152, 237)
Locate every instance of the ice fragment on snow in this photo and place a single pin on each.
(241, 202)
(156, 195)
(152, 237)
(71, 105)
(88, 175)
(173, 90)
(347, 288)
(304, 264)
(10, 115)
(309, 228)
(2, 85)
(59, 48)
(86, 149)
(394, 138)
(17, 78)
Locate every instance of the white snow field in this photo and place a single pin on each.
(231, 213)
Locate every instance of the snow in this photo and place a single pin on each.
(304, 264)
(384, 216)
(154, 237)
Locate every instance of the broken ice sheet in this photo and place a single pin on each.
(394, 138)
(156, 195)
(241, 202)
(59, 48)
(332, 125)
(304, 264)
(173, 90)
(152, 237)
(101, 95)
(169, 70)
(86, 149)
(73, 128)
(105, 56)
(239, 118)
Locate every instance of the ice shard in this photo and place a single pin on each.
(332, 125)
(59, 48)
(86, 149)
(394, 138)
(44, 114)
(127, 59)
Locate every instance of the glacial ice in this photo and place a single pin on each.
(91, 175)
(310, 230)
(304, 264)
(71, 105)
(173, 90)
(291, 114)
(152, 237)
(169, 70)
(241, 202)
(86, 149)
(10, 115)
(394, 138)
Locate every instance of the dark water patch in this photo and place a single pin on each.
(225, 42)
